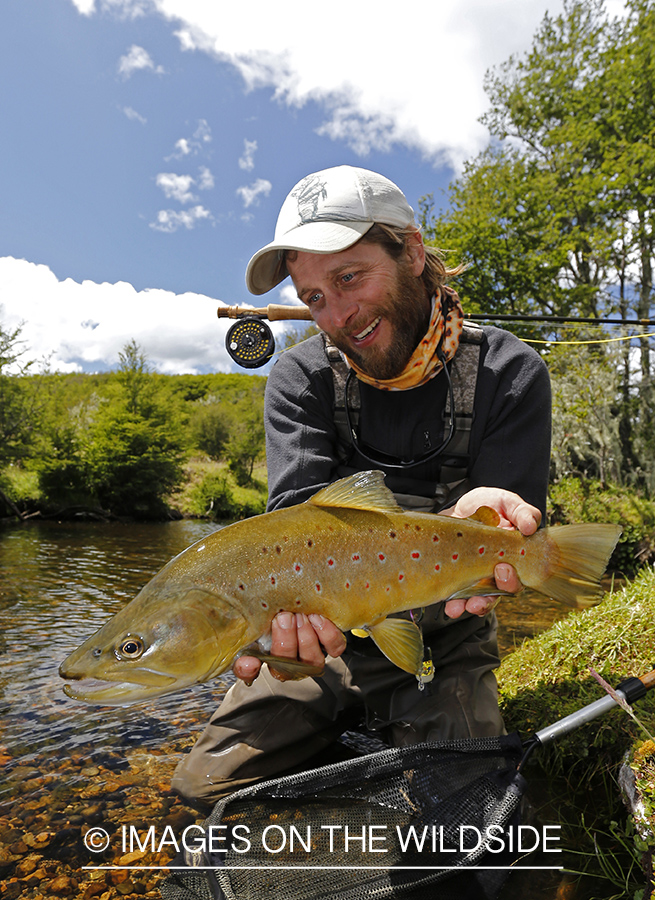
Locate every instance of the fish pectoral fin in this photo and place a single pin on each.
(486, 515)
(401, 642)
(294, 669)
(485, 587)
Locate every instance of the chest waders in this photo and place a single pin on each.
(453, 476)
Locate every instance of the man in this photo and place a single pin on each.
(347, 238)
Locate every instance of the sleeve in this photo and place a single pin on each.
(514, 446)
(300, 431)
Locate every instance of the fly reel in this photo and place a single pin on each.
(250, 342)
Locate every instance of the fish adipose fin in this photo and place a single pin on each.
(584, 551)
(363, 490)
(400, 640)
(486, 515)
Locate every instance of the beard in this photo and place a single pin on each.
(406, 307)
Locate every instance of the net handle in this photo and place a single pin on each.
(629, 690)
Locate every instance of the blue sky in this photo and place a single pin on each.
(148, 145)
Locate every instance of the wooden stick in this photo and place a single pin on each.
(274, 312)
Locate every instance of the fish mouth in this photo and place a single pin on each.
(103, 692)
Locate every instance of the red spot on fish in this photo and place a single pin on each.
(388, 588)
(480, 550)
(437, 567)
(522, 551)
(367, 585)
(416, 554)
(264, 604)
(501, 553)
(297, 568)
(381, 557)
(401, 576)
(318, 587)
(330, 562)
(435, 538)
(455, 557)
(298, 601)
(356, 557)
(273, 579)
(347, 585)
(242, 587)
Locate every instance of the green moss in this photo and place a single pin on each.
(548, 677)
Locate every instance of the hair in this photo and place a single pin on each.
(394, 241)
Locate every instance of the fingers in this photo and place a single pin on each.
(514, 512)
(295, 636)
(506, 580)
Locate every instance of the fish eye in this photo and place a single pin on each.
(130, 648)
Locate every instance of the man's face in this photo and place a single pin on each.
(374, 308)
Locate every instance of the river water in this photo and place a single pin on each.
(69, 767)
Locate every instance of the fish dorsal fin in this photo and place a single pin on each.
(486, 515)
(363, 490)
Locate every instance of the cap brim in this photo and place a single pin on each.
(264, 272)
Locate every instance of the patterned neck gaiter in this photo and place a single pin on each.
(445, 325)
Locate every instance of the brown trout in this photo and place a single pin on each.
(350, 553)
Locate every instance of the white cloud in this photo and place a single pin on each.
(251, 194)
(137, 59)
(176, 187)
(206, 180)
(133, 115)
(170, 220)
(82, 327)
(247, 161)
(198, 143)
(409, 78)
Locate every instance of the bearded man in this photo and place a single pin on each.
(457, 417)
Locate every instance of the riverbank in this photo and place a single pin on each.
(578, 776)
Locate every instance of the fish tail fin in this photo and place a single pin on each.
(582, 554)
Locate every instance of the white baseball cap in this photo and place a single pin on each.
(326, 212)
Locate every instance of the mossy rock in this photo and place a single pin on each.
(549, 677)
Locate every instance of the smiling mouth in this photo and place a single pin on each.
(369, 328)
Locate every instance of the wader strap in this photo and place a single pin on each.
(464, 373)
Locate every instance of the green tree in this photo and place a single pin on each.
(136, 444)
(247, 442)
(19, 406)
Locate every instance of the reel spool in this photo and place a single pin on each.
(250, 342)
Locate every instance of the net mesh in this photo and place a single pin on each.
(403, 823)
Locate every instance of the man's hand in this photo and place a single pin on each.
(295, 636)
(514, 512)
